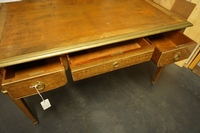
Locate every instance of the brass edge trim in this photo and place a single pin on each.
(86, 45)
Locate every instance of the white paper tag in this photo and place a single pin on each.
(45, 104)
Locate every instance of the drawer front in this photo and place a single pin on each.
(174, 55)
(171, 47)
(23, 88)
(22, 79)
(108, 58)
(110, 65)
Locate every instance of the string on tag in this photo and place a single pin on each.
(45, 103)
(39, 93)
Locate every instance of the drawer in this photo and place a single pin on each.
(47, 74)
(171, 47)
(108, 58)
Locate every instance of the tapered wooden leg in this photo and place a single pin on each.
(24, 108)
(157, 74)
(19, 102)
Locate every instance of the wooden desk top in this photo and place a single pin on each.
(37, 29)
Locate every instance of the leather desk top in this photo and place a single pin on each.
(37, 29)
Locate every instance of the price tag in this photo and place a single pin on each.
(45, 104)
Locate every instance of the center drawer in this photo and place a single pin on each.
(45, 74)
(104, 59)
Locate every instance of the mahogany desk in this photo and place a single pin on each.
(35, 31)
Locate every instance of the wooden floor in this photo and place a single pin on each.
(123, 101)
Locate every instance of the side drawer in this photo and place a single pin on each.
(47, 74)
(171, 47)
(104, 59)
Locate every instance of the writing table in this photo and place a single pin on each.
(96, 35)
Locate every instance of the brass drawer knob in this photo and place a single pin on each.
(116, 64)
(177, 56)
(39, 86)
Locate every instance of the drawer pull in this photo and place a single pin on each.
(116, 64)
(39, 86)
(177, 56)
